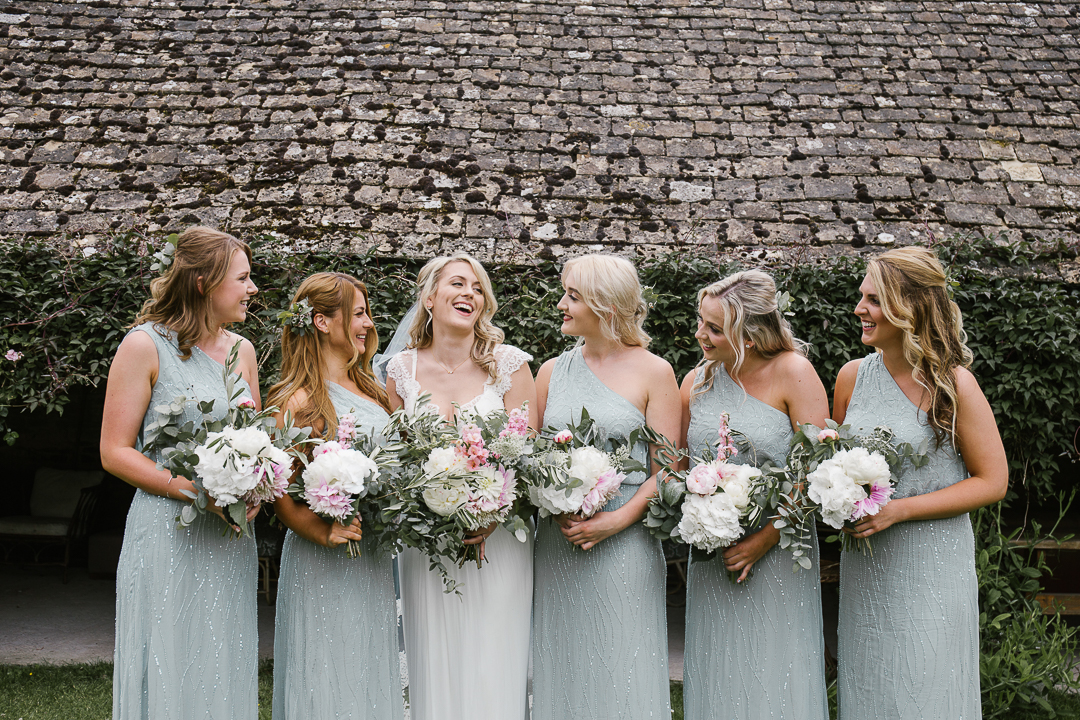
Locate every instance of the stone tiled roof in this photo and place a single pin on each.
(509, 127)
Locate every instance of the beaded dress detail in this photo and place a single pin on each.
(468, 656)
(909, 615)
(754, 651)
(335, 642)
(186, 632)
(599, 616)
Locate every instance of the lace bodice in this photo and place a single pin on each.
(508, 359)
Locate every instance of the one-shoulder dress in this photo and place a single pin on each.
(186, 631)
(335, 642)
(909, 615)
(599, 616)
(756, 650)
(468, 655)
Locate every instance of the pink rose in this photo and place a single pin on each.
(245, 404)
(828, 435)
(703, 479)
(564, 437)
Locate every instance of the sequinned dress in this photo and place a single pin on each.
(186, 644)
(468, 655)
(599, 616)
(909, 615)
(335, 641)
(754, 651)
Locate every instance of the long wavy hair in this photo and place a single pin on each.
(748, 301)
(175, 301)
(610, 287)
(486, 336)
(911, 288)
(302, 356)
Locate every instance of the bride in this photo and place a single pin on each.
(468, 655)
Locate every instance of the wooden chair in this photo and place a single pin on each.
(61, 506)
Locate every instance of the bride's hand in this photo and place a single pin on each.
(587, 533)
(338, 534)
(479, 537)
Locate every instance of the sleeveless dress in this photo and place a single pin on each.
(599, 615)
(335, 641)
(468, 655)
(754, 651)
(186, 644)
(909, 615)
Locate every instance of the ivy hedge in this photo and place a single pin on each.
(64, 309)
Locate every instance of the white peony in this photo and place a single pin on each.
(736, 480)
(709, 521)
(553, 500)
(586, 464)
(445, 498)
(442, 460)
(863, 466)
(250, 441)
(835, 491)
(348, 470)
(226, 475)
(703, 479)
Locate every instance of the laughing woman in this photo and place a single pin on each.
(599, 620)
(335, 644)
(754, 650)
(186, 644)
(909, 614)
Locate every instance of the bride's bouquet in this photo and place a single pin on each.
(577, 470)
(717, 502)
(453, 481)
(342, 473)
(844, 477)
(239, 460)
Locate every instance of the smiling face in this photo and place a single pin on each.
(229, 301)
(458, 298)
(578, 319)
(877, 331)
(346, 334)
(710, 332)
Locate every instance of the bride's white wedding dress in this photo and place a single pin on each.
(468, 655)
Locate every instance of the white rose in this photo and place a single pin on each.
(864, 467)
(442, 460)
(709, 522)
(445, 498)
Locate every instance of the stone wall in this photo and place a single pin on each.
(520, 128)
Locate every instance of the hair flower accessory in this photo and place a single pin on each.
(297, 318)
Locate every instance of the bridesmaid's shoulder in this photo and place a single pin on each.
(793, 366)
(847, 375)
(651, 361)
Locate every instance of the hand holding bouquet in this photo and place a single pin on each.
(238, 461)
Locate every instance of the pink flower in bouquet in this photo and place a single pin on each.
(606, 485)
(245, 404)
(828, 435)
(877, 498)
(516, 424)
(471, 434)
(725, 447)
(13, 355)
(564, 437)
(703, 479)
(271, 486)
(326, 499)
(346, 429)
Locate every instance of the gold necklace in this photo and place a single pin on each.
(448, 370)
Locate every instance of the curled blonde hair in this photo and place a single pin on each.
(610, 287)
(302, 357)
(486, 336)
(176, 302)
(748, 301)
(911, 288)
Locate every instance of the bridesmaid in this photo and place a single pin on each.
(335, 642)
(911, 610)
(599, 622)
(186, 644)
(754, 650)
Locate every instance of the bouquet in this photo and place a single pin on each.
(453, 481)
(844, 477)
(239, 460)
(715, 503)
(343, 472)
(577, 469)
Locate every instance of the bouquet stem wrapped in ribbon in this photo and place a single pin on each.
(239, 459)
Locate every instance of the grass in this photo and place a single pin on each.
(84, 692)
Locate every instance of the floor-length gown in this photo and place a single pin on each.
(335, 641)
(756, 650)
(599, 615)
(186, 644)
(909, 615)
(468, 656)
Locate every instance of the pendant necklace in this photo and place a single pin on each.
(448, 370)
